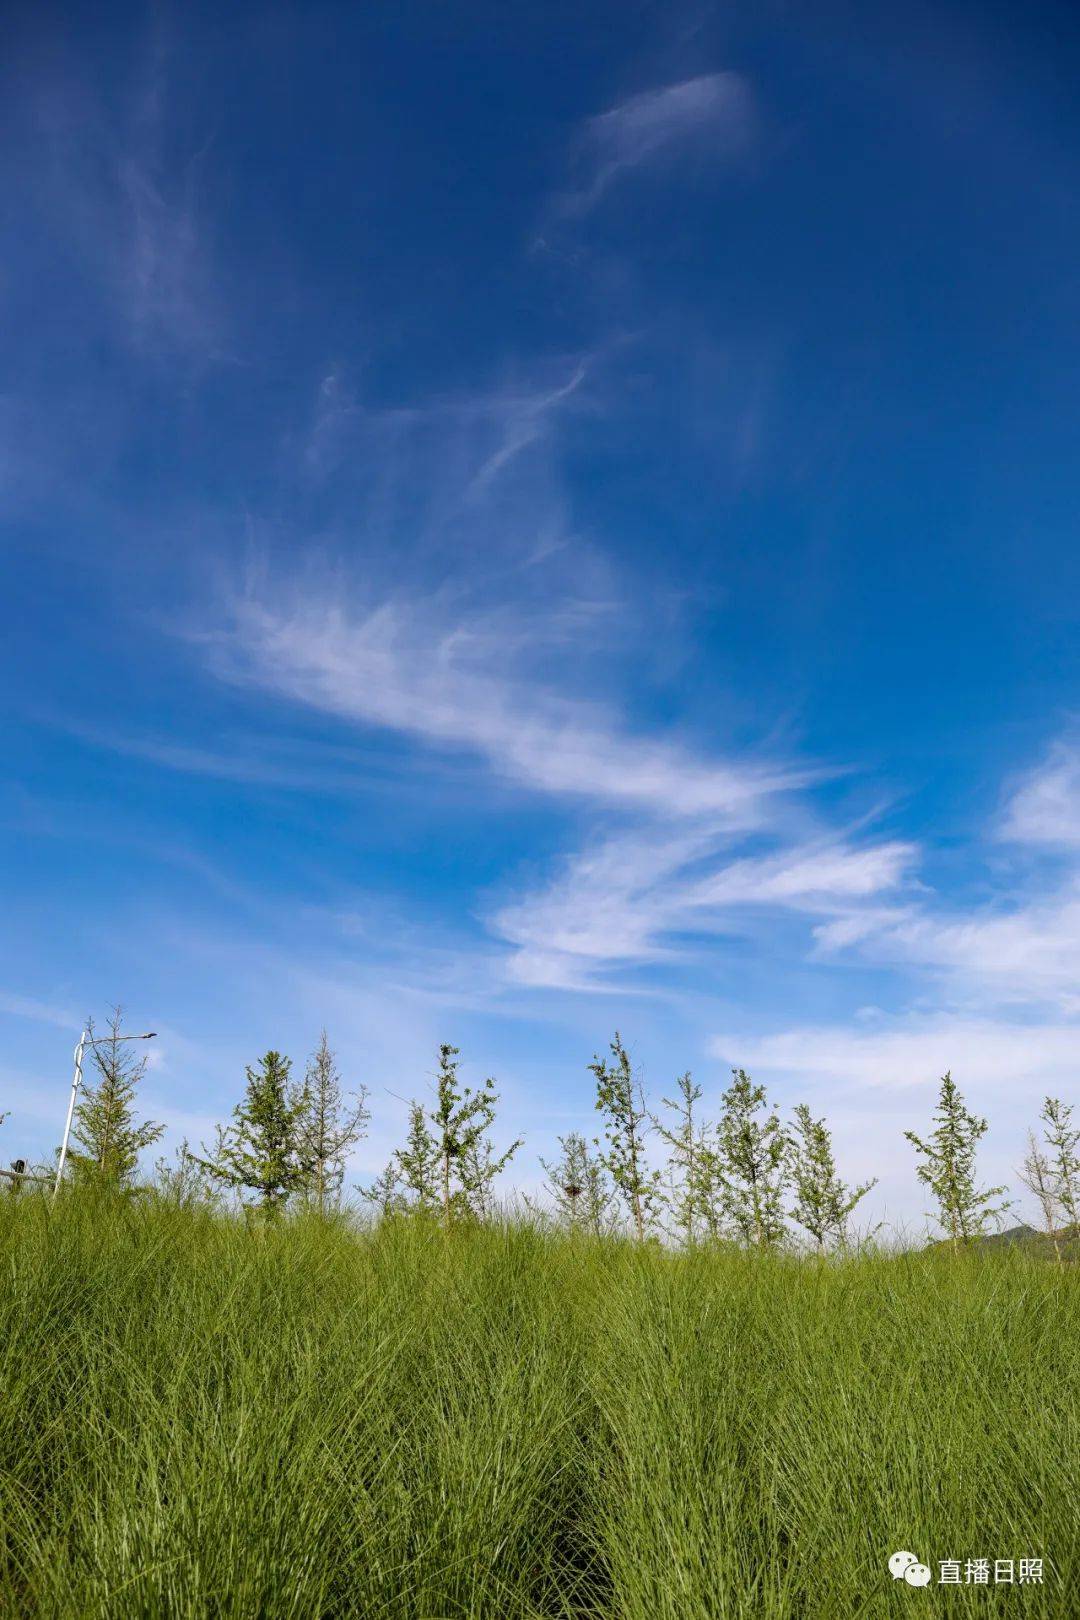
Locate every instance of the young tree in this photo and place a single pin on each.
(261, 1150)
(1063, 1140)
(689, 1162)
(477, 1168)
(964, 1210)
(1038, 1177)
(468, 1163)
(416, 1165)
(751, 1158)
(823, 1202)
(580, 1189)
(328, 1125)
(183, 1181)
(621, 1101)
(385, 1191)
(104, 1125)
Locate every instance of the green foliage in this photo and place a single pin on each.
(965, 1211)
(620, 1099)
(1063, 1140)
(823, 1202)
(107, 1135)
(579, 1189)
(328, 1125)
(414, 1169)
(261, 1151)
(184, 1181)
(1051, 1172)
(689, 1191)
(478, 1165)
(467, 1162)
(385, 1194)
(332, 1422)
(751, 1164)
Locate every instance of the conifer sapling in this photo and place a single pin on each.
(261, 1150)
(823, 1202)
(620, 1099)
(964, 1209)
(690, 1163)
(328, 1126)
(105, 1128)
(468, 1163)
(415, 1166)
(751, 1164)
(580, 1189)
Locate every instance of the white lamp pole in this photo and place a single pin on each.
(85, 1040)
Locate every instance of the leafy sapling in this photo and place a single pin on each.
(965, 1210)
(751, 1164)
(580, 1189)
(261, 1150)
(385, 1192)
(822, 1201)
(108, 1136)
(467, 1162)
(412, 1175)
(182, 1180)
(329, 1124)
(477, 1168)
(619, 1097)
(689, 1163)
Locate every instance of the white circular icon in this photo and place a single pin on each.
(901, 1562)
(917, 1575)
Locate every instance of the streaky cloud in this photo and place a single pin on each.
(630, 900)
(715, 111)
(451, 684)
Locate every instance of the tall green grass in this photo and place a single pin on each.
(201, 1419)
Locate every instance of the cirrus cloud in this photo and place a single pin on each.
(714, 112)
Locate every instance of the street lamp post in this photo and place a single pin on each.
(85, 1039)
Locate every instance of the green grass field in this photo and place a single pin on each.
(200, 1419)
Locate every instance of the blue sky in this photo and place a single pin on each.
(522, 522)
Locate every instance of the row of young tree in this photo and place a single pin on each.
(747, 1177)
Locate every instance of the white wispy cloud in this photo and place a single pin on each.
(113, 183)
(164, 274)
(630, 899)
(674, 867)
(714, 112)
(1021, 944)
(996, 1057)
(489, 426)
(465, 488)
(1045, 807)
(39, 1012)
(1020, 952)
(399, 666)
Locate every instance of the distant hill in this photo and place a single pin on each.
(1039, 1243)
